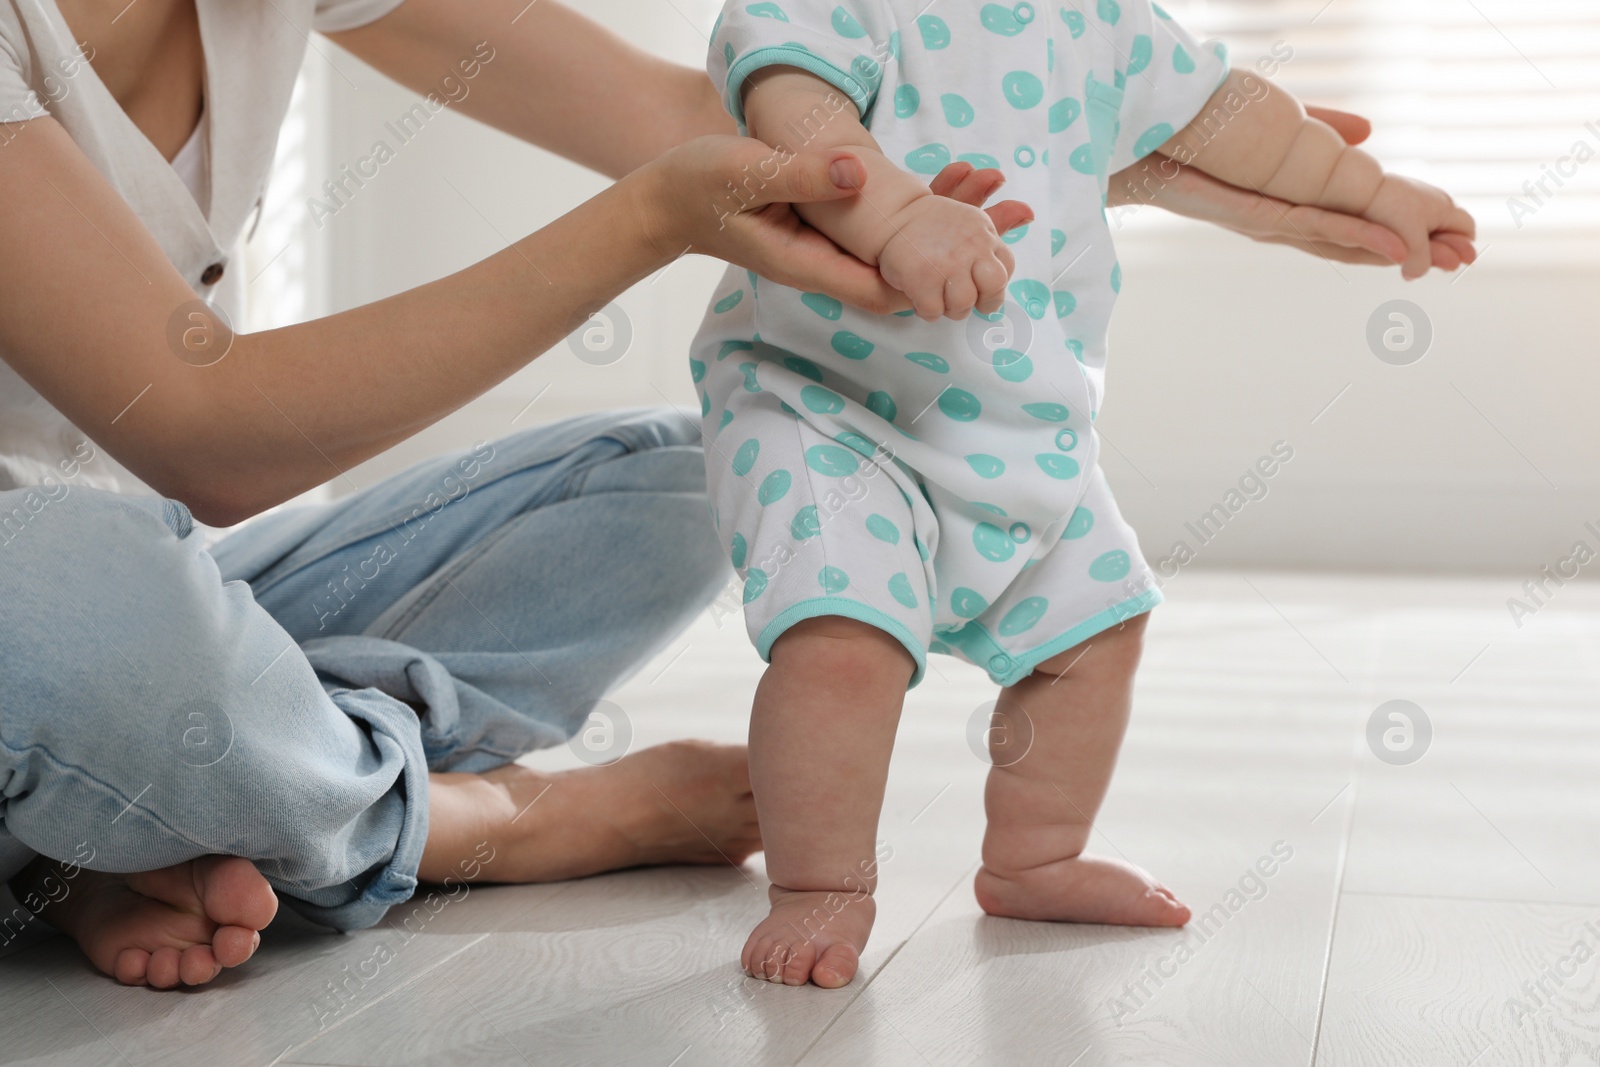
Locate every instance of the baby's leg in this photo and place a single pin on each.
(820, 739)
(1042, 806)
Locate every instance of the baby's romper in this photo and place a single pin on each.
(940, 480)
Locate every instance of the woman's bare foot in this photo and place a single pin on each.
(810, 936)
(180, 925)
(680, 802)
(1083, 889)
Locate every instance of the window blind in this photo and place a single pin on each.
(1496, 101)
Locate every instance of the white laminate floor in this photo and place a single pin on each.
(1445, 911)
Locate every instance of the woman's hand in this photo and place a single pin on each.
(730, 197)
(1331, 234)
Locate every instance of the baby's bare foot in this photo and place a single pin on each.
(178, 925)
(680, 802)
(1083, 889)
(810, 935)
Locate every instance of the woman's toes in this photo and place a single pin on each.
(233, 892)
(131, 967)
(197, 965)
(162, 972)
(232, 945)
(836, 967)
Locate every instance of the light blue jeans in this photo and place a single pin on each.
(283, 696)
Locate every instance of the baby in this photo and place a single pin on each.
(891, 486)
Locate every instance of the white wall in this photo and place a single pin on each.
(460, 191)
(1482, 455)
(1221, 348)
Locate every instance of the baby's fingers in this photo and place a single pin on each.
(1419, 252)
(1459, 220)
(1460, 243)
(960, 294)
(925, 287)
(1444, 257)
(989, 276)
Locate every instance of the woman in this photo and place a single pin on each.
(327, 702)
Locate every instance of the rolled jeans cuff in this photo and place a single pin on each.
(397, 734)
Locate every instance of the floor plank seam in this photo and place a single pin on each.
(1472, 900)
(1333, 920)
(965, 876)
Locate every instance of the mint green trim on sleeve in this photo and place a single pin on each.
(816, 607)
(792, 55)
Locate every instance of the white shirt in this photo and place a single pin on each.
(195, 207)
(192, 164)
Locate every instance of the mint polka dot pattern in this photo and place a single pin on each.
(930, 360)
(745, 458)
(959, 404)
(851, 346)
(845, 24)
(832, 460)
(822, 401)
(929, 159)
(941, 480)
(957, 112)
(774, 487)
(1110, 567)
(883, 529)
(1001, 20)
(906, 101)
(882, 405)
(803, 366)
(935, 34)
(967, 603)
(1064, 113)
(986, 466)
(1025, 616)
(807, 523)
(823, 305)
(1079, 525)
(1034, 296)
(1023, 90)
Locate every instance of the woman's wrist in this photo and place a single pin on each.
(653, 220)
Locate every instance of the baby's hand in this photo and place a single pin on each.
(947, 257)
(1421, 215)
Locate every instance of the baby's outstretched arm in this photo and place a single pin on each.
(1257, 136)
(944, 255)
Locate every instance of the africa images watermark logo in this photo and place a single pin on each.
(351, 178)
(1536, 192)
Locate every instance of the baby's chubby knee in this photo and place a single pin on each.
(846, 651)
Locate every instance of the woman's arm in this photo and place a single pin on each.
(557, 79)
(88, 302)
